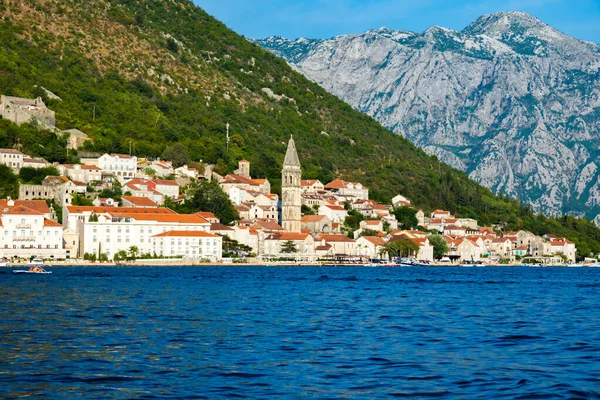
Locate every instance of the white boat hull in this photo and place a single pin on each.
(24, 271)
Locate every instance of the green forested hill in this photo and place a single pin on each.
(151, 73)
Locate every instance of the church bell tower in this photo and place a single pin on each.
(291, 191)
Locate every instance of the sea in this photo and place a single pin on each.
(300, 332)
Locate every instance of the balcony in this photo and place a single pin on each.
(24, 226)
(24, 239)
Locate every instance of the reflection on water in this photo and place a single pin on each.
(300, 332)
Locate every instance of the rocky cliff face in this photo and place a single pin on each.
(510, 100)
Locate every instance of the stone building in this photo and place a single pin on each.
(58, 188)
(20, 111)
(291, 191)
(76, 138)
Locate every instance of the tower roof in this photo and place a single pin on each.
(291, 155)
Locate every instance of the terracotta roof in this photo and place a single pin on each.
(48, 222)
(34, 160)
(335, 208)
(126, 156)
(206, 215)
(293, 236)
(313, 218)
(323, 247)
(91, 167)
(308, 182)
(9, 151)
(172, 218)
(376, 240)
(20, 210)
(268, 224)
(165, 182)
(131, 211)
(336, 184)
(38, 205)
(373, 222)
(140, 201)
(336, 238)
(186, 234)
(500, 240)
(215, 226)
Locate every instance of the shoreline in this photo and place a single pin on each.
(161, 263)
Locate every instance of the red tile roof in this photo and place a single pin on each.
(164, 182)
(215, 226)
(293, 236)
(336, 238)
(48, 222)
(336, 184)
(376, 240)
(313, 218)
(140, 201)
(38, 205)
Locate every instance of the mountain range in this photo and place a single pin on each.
(509, 100)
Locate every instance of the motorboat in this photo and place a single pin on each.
(34, 266)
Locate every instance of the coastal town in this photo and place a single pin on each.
(66, 217)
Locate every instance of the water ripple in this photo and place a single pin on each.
(328, 333)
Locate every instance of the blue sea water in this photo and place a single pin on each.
(310, 332)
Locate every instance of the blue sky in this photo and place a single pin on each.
(327, 18)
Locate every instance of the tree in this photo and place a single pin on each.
(306, 210)
(440, 247)
(172, 45)
(233, 248)
(406, 217)
(289, 247)
(81, 201)
(120, 255)
(133, 251)
(210, 197)
(390, 249)
(149, 171)
(9, 184)
(35, 176)
(368, 232)
(177, 154)
(403, 246)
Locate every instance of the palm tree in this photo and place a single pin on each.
(133, 250)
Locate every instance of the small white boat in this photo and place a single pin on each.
(26, 271)
(3, 264)
(35, 266)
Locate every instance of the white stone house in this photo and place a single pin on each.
(188, 244)
(369, 246)
(25, 232)
(81, 172)
(334, 213)
(12, 158)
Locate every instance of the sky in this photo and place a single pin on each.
(291, 19)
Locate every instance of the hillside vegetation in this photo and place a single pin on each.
(148, 74)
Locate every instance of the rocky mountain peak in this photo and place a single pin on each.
(500, 23)
(509, 100)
